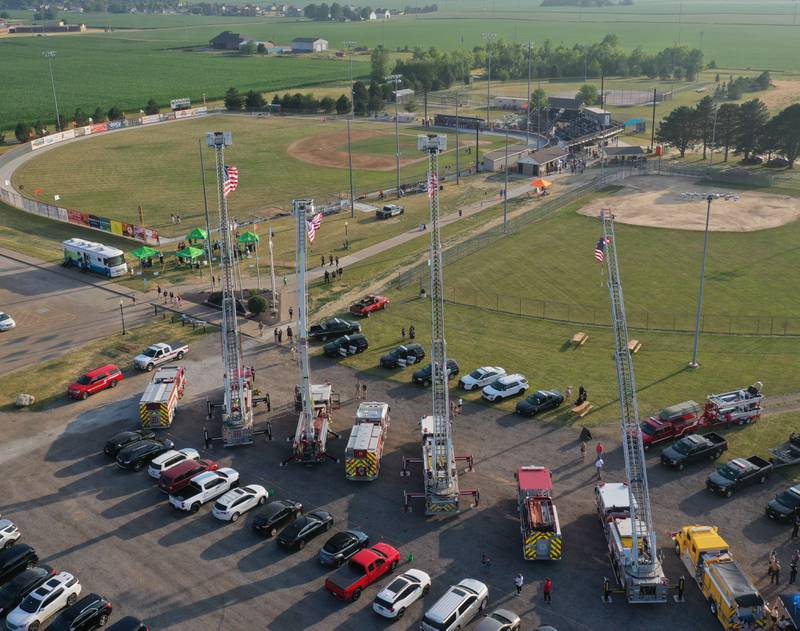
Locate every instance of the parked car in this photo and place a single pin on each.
(737, 474)
(204, 488)
(368, 304)
(174, 479)
(171, 459)
(275, 515)
(505, 387)
(481, 377)
(540, 401)
(333, 328)
(393, 600)
(58, 592)
(304, 528)
(459, 604)
(89, 613)
(9, 534)
(785, 506)
(128, 623)
(366, 567)
(94, 381)
(347, 345)
(134, 457)
(342, 546)
(161, 353)
(6, 322)
(403, 356)
(15, 591)
(123, 439)
(672, 422)
(423, 375)
(693, 448)
(500, 620)
(389, 211)
(15, 559)
(237, 501)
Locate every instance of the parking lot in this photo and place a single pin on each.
(117, 533)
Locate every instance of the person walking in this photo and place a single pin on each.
(293, 352)
(583, 451)
(285, 281)
(776, 572)
(330, 260)
(291, 312)
(275, 335)
(771, 565)
(598, 450)
(793, 571)
(598, 465)
(171, 297)
(289, 334)
(323, 260)
(412, 332)
(403, 333)
(568, 393)
(337, 261)
(796, 526)
(158, 290)
(364, 391)
(486, 561)
(280, 336)
(548, 591)
(358, 389)
(260, 329)
(518, 581)
(460, 408)
(327, 276)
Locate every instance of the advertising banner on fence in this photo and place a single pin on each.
(152, 118)
(77, 217)
(133, 122)
(183, 113)
(87, 129)
(116, 227)
(116, 124)
(169, 116)
(79, 131)
(128, 231)
(70, 133)
(201, 110)
(99, 127)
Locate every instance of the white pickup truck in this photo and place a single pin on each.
(161, 353)
(204, 488)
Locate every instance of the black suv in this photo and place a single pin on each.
(123, 439)
(128, 623)
(332, 328)
(15, 559)
(90, 612)
(275, 515)
(347, 345)
(136, 455)
(423, 375)
(404, 355)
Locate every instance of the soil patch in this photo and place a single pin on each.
(324, 150)
(656, 201)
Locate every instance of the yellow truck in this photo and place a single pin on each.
(733, 599)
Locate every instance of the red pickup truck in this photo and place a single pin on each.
(672, 422)
(366, 567)
(368, 304)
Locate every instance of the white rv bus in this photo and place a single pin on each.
(95, 257)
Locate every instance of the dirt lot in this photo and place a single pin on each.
(324, 150)
(656, 201)
(115, 530)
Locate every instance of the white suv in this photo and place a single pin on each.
(9, 533)
(460, 604)
(170, 459)
(504, 387)
(401, 593)
(46, 600)
(239, 500)
(480, 377)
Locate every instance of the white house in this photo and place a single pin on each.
(380, 14)
(309, 45)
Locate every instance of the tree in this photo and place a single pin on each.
(254, 101)
(704, 110)
(784, 132)
(310, 11)
(261, 49)
(539, 99)
(80, 117)
(233, 100)
(379, 63)
(115, 114)
(256, 304)
(151, 107)
(360, 98)
(727, 115)
(343, 104)
(734, 92)
(22, 132)
(410, 105)
(98, 116)
(327, 104)
(753, 116)
(587, 93)
(679, 129)
(4, 15)
(39, 129)
(763, 80)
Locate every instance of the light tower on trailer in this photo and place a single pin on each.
(639, 569)
(438, 454)
(313, 402)
(237, 415)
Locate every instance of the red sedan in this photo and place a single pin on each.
(368, 304)
(94, 381)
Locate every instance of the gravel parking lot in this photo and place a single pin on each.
(116, 532)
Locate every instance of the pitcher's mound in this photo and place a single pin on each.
(656, 201)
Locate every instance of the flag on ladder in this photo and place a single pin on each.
(313, 226)
(433, 184)
(599, 250)
(231, 182)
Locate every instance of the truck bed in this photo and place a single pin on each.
(186, 493)
(346, 576)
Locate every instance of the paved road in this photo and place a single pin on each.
(190, 572)
(56, 310)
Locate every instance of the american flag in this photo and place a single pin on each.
(599, 250)
(231, 182)
(433, 184)
(313, 226)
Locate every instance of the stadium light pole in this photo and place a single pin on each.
(528, 109)
(489, 37)
(205, 206)
(693, 363)
(350, 45)
(396, 78)
(49, 55)
(505, 190)
(458, 164)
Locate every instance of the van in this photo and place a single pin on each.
(460, 604)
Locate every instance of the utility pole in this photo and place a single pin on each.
(693, 363)
(458, 167)
(653, 125)
(528, 109)
(396, 79)
(477, 140)
(505, 190)
(489, 37)
(350, 45)
(205, 205)
(271, 271)
(50, 55)
(539, 115)
(122, 316)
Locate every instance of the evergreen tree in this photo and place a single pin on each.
(752, 117)
(679, 129)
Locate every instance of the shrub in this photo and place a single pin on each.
(257, 304)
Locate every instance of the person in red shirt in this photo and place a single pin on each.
(599, 450)
(548, 589)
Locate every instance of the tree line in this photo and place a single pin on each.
(253, 101)
(748, 129)
(336, 12)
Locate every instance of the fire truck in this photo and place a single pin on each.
(738, 407)
(160, 398)
(538, 517)
(365, 446)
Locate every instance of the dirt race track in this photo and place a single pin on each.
(324, 150)
(656, 201)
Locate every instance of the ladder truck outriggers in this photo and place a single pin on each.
(628, 524)
(314, 402)
(442, 492)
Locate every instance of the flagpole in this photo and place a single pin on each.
(271, 270)
(258, 269)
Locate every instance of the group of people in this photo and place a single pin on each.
(277, 334)
(774, 565)
(412, 332)
(176, 219)
(361, 390)
(337, 271)
(169, 297)
(519, 580)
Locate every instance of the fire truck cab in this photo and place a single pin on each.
(160, 398)
(365, 446)
(538, 517)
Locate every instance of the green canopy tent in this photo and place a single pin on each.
(190, 253)
(198, 234)
(145, 252)
(251, 238)
(248, 237)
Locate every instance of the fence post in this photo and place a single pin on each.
(771, 324)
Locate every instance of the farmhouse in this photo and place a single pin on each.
(380, 14)
(309, 45)
(229, 41)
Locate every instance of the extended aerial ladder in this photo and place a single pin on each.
(313, 402)
(438, 455)
(639, 568)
